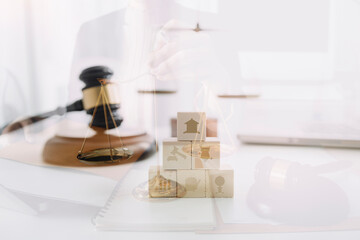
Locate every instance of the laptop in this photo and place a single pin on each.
(320, 134)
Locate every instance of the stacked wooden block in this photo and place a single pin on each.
(193, 160)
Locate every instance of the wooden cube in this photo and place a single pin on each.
(211, 127)
(193, 181)
(176, 154)
(220, 182)
(206, 155)
(191, 126)
(167, 182)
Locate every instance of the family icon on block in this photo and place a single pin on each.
(191, 163)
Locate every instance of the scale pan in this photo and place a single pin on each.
(105, 155)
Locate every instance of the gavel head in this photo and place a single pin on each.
(101, 97)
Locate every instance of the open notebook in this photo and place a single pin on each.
(125, 212)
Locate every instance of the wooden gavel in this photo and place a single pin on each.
(90, 76)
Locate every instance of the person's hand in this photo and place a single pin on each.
(183, 54)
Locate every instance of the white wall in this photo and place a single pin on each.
(15, 73)
(290, 41)
(37, 44)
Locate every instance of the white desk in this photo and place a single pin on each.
(64, 220)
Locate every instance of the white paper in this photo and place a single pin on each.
(56, 183)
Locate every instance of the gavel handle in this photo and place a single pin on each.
(10, 127)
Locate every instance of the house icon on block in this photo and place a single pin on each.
(191, 126)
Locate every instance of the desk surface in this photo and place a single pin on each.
(318, 175)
